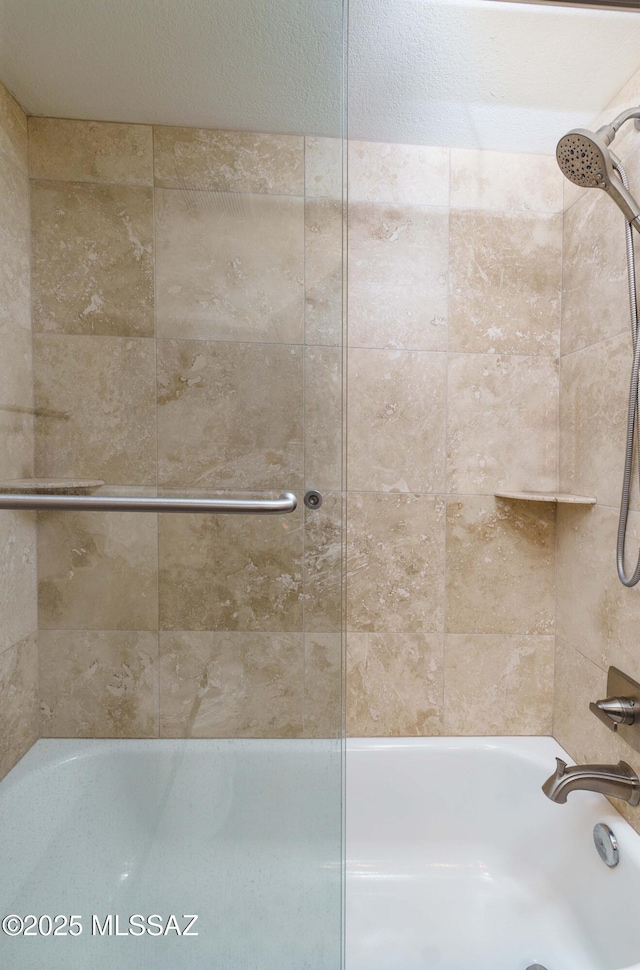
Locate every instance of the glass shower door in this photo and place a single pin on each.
(184, 800)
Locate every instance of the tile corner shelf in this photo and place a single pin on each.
(558, 498)
(51, 486)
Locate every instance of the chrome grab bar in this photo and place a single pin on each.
(120, 503)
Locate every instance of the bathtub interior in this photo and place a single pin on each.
(245, 834)
(457, 861)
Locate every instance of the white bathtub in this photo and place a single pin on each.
(244, 834)
(457, 861)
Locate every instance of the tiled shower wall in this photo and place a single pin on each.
(454, 323)
(598, 618)
(187, 295)
(171, 270)
(18, 603)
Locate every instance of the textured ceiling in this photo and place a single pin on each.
(467, 73)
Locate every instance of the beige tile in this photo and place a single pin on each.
(396, 421)
(18, 597)
(398, 265)
(394, 685)
(500, 566)
(595, 301)
(216, 573)
(596, 613)
(220, 685)
(505, 181)
(322, 685)
(230, 415)
(505, 282)
(594, 389)
(16, 405)
(97, 570)
(15, 294)
(323, 417)
(323, 160)
(410, 174)
(90, 151)
(323, 561)
(99, 684)
(95, 402)
(578, 682)
(18, 701)
(502, 423)
(13, 130)
(229, 268)
(92, 259)
(229, 161)
(498, 685)
(323, 272)
(395, 563)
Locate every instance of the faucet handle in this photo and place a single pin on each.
(613, 711)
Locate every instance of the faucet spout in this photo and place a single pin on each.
(616, 781)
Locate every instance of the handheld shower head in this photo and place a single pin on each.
(585, 159)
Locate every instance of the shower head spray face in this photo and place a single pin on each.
(585, 159)
(582, 157)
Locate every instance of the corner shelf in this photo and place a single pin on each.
(558, 498)
(51, 486)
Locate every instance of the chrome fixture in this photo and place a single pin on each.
(606, 844)
(620, 709)
(586, 160)
(616, 781)
(119, 503)
(313, 499)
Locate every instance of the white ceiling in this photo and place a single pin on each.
(466, 73)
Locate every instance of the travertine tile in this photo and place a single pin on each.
(323, 161)
(218, 574)
(98, 684)
(15, 295)
(596, 613)
(594, 391)
(500, 566)
(322, 417)
(322, 685)
(395, 563)
(18, 596)
(411, 174)
(230, 415)
(18, 701)
(578, 682)
(97, 570)
(595, 300)
(90, 151)
(506, 181)
(229, 268)
(396, 421)
(502, 423)
(238, 685)
(95, 404)
(323, 561)
(13, 130)
(92, 259)
(323, 272)
(398, 286)
(394, 684)
(16, 405)
(229, 161)
(498, 685)
(505, 278)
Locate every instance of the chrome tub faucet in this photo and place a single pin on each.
(615, 781)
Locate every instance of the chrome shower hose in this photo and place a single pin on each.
(632, 413)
